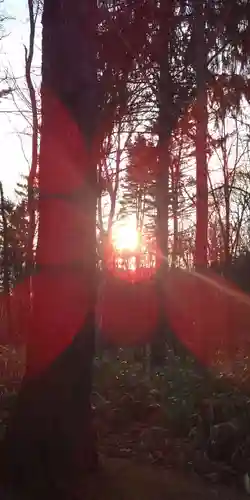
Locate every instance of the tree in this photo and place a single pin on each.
(58, 442)
(29, 54)
(5, 89)
(163, 38)
(201, 112)
(138, 187)
(5, 259)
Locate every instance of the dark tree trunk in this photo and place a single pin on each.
(158, 347)
(201, 138)
(50, 444)
(175, 191)
(165, 129)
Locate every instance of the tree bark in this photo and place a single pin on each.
(29, 53)
(165, 129)
(165, 123)
(201, 137)
(50, 443)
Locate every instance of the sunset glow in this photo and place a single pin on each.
(125, 238)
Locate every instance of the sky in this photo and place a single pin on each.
(15, 146)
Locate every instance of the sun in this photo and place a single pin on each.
(125, 238)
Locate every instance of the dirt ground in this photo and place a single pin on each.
(121, 479)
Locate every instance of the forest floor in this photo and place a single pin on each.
(151, 436)
(126, 480)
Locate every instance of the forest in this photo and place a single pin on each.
(125, 252)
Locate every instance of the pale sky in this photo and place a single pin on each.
(15, 146)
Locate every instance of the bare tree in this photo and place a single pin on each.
(201, 59)
(29, 54)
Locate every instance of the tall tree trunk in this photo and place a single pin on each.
(50, 444)
(29, 53)
(175, 174)
(32, 177)
(201, 136)
(227, 193)
(162, 183)
(164, 101)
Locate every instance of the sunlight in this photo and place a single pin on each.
(125, 238)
